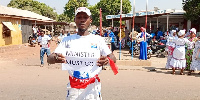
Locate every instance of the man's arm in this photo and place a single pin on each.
(112, 56)
(56, 58)
(103, 60)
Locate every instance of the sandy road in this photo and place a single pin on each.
(21, 78)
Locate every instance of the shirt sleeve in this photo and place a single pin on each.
(60, 48)
(49, 38)
(139, 34)
(39, 39)
(190, 44)
(104, 49)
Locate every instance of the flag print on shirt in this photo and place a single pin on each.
(81, 80)
(93, 45)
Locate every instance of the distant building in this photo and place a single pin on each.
(156, 19)
(16, 25)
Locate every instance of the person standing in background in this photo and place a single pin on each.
(44, 42)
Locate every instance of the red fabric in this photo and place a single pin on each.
(144, 36)
(113, 66)
(82, 83)
(171, 49)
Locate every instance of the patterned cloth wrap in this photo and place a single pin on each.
(170, 50)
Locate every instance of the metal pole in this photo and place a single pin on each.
(100, 22)
(133, 28)
(150, 25)
(146, 14)
(167, 24)
(120, 40)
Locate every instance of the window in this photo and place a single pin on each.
(7, 28)
(6, 31)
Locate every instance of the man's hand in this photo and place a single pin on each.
(56, 58)
(103, 60)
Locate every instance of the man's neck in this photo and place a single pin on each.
(83, 33)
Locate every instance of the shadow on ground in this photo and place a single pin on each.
(164, 71)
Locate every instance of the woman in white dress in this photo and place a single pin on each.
(170, 47)
(178, 58)
(195, 65)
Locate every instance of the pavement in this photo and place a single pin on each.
(22, 78)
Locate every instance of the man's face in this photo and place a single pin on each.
(82, 21)
(42, 34)
(174, 33)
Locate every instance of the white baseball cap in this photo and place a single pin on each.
(83, 9)
(173, 31)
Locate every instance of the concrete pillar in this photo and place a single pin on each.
(188, 25)
(128, 25)
(52, 30)
(45, 29)
(112, 23)
(157, 22)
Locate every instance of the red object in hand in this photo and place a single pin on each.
(113, 66)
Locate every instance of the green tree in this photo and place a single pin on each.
(95, 15)
(34, 6)
(192, 8)
(71, 6)
(109, 7)
(62, 18)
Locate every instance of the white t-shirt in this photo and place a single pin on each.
(44, 41)
(61, 37)
(82, 43)
(34, 30)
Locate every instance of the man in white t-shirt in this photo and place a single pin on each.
(62, 35)
(44, 42)
(83, 55)
(34, 32)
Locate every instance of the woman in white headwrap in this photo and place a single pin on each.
(195, 65)
(192, 38)
(170, 47)
(178, 58)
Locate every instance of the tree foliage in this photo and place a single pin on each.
(34, 6)
(192, 8)
(72, 5)
(109, 7)
(62, 18)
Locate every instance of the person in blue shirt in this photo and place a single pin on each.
(113, 40)
(105, 33)
(160, 33)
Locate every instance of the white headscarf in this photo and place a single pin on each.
(172, 32)
(181, 32)
(193, 30)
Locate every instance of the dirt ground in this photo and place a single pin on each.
(22, 78)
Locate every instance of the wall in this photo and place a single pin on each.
(26, 30)
(16, 36)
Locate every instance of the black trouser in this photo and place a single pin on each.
(113, 47)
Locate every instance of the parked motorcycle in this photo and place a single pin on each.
(32, 41)
(158, 48)
(136, 48)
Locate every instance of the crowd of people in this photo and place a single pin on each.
(43, 39)
(183, 51)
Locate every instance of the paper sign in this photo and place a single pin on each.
(80, 60)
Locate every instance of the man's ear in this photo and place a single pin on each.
(90, 21)
(74, 19)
